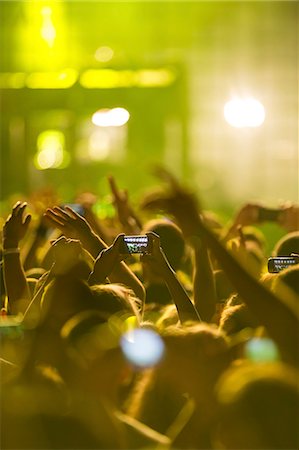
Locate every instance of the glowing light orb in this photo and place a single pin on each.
(142, 347)
(261, 350)
(116, 117)
(244, 112)
(104, 54)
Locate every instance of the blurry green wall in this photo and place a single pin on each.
(212, 50)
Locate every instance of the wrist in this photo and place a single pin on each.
(10, 251)
(10, 243)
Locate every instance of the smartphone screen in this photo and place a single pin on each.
(136, 244)
(279, 263)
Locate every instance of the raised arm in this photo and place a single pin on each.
(184, 208)
(185, 308)
(287, 216)
(16, 286)
(127, 217)
(279, 315)
(72, 224)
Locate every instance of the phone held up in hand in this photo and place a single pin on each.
(278, 263)
(136, 245)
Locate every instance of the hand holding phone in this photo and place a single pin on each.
(278, 263)
(136, 245)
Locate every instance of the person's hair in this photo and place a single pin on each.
(290, 277)
(287, 244)
(171, 238)
(115, 298)
(76, 296)
(235, 318)
(262, 401)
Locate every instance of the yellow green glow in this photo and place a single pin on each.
(90, 79)
(108, 78)
(115, 117)
(48, 31)
(52, 80)
(42, 39)
(51, 153)
(12, 80)
(244, 112)
(152, 78)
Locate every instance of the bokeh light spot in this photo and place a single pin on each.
(261, 350)
(142, 347)
(244, 112)
(115, 117)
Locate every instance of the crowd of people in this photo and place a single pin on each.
(181, 340)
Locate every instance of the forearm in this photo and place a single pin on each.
(16, 285)
(279, 316)
(30, 259)
(93, 244)
(118, 272)
(185, 308)
(122, 274)
(203, 282)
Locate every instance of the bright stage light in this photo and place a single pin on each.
(244, 113)
(115, 117)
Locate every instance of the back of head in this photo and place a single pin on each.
(287, 244)
(115, 299)
(290, 278)
(259, 407)
(171, 238)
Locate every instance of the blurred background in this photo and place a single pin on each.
(207, 89)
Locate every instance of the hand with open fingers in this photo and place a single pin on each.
(178, 202)
(16, 225)
(122, 205)
(70, 223)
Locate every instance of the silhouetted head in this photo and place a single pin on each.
(259, 407)
(171, 239)
(287, 244)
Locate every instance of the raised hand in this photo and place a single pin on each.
(185, 308)
(156, 257)
(124, 210)
(16, 285)
(177, 201)
(16, 226)
(70, 223)
(107, 261)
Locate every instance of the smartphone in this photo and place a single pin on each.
(76, 207)
(268, 214)
(278, 263)
(136, 244)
